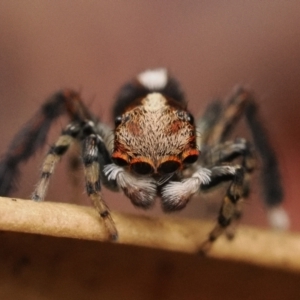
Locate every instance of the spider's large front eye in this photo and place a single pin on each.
(142, 168)
(119, 161)
(168, 167)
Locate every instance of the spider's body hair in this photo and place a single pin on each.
(156, 130)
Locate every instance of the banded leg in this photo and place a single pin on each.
(33, 135)
(242, 103)
(227, 152)
(91, 159)
(228, 116)
(55, 153)
(231, 203)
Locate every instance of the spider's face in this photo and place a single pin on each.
(155, 135)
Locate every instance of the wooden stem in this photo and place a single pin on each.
(255, 246)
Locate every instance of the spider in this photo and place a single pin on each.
(157, 149)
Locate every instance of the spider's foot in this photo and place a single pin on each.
(36, 197)
(278, 218)
(205, 247)
(110, 227)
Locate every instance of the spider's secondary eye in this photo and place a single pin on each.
(142, 168)
(119, 161)
(118, 120)
(190, 156)
(185, 116)
(169, 166)
(120, 158)
(190, 118)
(190, 159)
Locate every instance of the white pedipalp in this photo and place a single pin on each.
(177, 193)
(140, 190)
(112, 171)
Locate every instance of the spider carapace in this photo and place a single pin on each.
(156, 150)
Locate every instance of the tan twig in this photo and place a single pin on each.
(255, 246)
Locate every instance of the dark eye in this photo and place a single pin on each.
(190, 118)
(118, 120)
(190, 159)
(119, 161)
(169, 166)
(190, 156)
(119, 158)
(142, 168)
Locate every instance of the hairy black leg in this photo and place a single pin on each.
(242, 103)
(229, 115)
(54, 154)
(104, 158)
(92, 178)
(33, 135)
(226, 153)
(229, 151)
(231, 202)
(208, 120)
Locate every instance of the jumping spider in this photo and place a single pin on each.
(156, 149)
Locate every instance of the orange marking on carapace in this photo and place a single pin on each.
(134, 128)
(175, 126)
(120, 156)
(142, 159)
(169, 158)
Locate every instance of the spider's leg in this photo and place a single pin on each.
(231, 202)
(227, 152)
(33, 135)
(226, 117)
(92, 169)
(243, 103)
(53, 156)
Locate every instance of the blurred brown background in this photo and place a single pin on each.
(94, 46)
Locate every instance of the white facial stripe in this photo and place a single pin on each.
(154, 102)
(154, 79)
